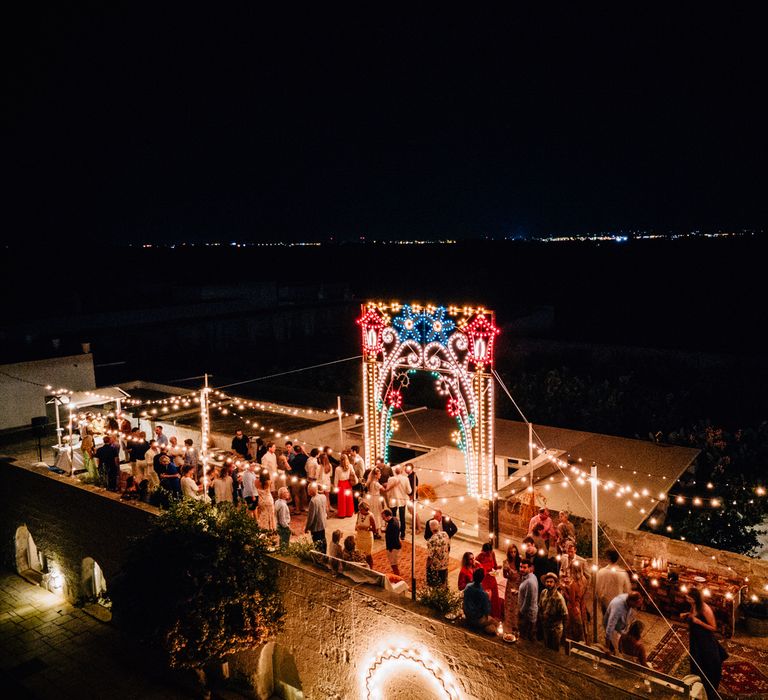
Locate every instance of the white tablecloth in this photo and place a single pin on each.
(64, 462)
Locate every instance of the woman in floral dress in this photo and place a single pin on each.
(265, 511)
(511, 571)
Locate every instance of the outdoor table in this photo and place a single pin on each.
(64, 460)
(722, 594)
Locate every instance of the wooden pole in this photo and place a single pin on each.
(594, 551)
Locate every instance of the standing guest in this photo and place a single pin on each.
(572, 565)
(190, 457)
(358, 464)
(222, 486)
(283, 467)
(392, 540)
(88, 450)
(149, 465)
(527, 601)
(169, 476)
(174, 449)
(248, 479)
(329, 451)
(137, 451)
(265, 510)
(283, 516)
(413, 480)
(575, 582)
(343, 481)
(619, 615)
(375, 500)
(365, 526)
(313, 466)
(553, 612)
(511, 570)
(564, 531)
(385, 469)
(261, 449)
(269, 459)
(438, 556)
(398, 490)
(161, 440)
(705, 650)
(351, 552)
(487, 559)
(299, 486)
(538, 538)
(109, 462)
(324, 479)
(240, 445)
(477, 605)
(446, 525)
(290, 455)
(467, 570)
(611, 580)
(189, 488)
(316, 519)
(548, 531)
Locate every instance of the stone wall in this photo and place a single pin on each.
(334, 629)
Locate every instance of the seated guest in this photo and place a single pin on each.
(335, 550)
(631, 646)
(467, 570)
(477, 604)
(351, 554)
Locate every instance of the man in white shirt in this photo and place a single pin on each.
(249, 488)
(269, 460)
(398, 490)
(611, 580)
(160, 438)
(283, 516)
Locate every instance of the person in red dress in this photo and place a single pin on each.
(487, 559)
(344, 481)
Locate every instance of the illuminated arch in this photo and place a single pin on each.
(454, 344)
(391, 664)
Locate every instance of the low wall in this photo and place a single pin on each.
(334, 630)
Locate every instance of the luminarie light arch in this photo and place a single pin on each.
(455, 344)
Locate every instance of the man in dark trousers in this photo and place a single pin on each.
(392, 540)
(109, 462)
(448, 526)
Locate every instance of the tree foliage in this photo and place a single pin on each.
(199, 585)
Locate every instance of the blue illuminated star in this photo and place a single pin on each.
(437, 327)
(408, 324)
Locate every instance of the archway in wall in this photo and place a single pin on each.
(94, 585)
(277, 675)
(402, 674)
(454, 344)
(29, 562)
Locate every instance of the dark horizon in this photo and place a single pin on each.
(249, 125)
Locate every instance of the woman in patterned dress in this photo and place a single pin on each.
(511, 571)
(375, 500)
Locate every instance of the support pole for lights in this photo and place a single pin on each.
(204, 434)
(414, 503)
(341, 424)
(71, 446)
(594, 550)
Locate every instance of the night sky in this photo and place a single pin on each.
(185, 125)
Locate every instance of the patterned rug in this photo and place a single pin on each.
(745, 673)
(381, 563)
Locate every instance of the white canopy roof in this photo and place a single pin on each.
(80, 399)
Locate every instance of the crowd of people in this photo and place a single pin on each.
(549, 587)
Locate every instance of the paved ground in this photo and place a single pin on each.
(50, 649)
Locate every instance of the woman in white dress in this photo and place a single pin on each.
(375, 500)
(324, 478)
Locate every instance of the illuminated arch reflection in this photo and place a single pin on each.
(396, 673)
